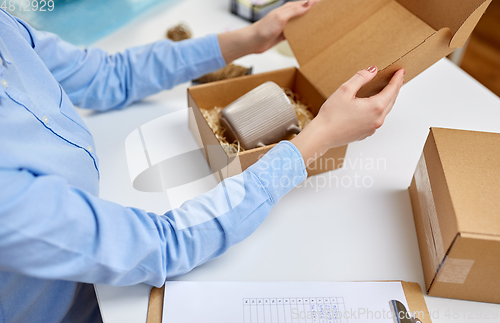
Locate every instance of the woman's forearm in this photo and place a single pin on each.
(237, 43)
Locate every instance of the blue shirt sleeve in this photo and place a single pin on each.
(96, 80)
(51, 230)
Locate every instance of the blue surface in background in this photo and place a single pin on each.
(83, 22)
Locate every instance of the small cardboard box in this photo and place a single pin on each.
(456, 206)
(333, 41)
(220, 94)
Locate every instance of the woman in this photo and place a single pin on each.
(57, 237)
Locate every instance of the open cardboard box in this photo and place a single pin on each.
(220, 94)
(456, 207)
(334, 40)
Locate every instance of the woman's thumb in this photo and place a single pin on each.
(361, 78)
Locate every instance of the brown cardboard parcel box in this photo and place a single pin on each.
(334, 40)
(455, 198)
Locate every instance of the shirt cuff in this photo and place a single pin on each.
(202, 55)
(280, 170)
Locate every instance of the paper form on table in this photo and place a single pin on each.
(276, 302)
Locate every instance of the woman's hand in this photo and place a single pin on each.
(344, 118)
(268, 31)
(263, 34)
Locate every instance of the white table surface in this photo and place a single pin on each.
(317, 232)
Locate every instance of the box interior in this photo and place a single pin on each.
(222, 93)
(207, 97)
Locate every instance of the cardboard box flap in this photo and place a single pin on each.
(430, 51)
(459, 16)
(386, 35)
(325, 23)
(336, 38)
(466, 28)
(470, 164)
(329, 20)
